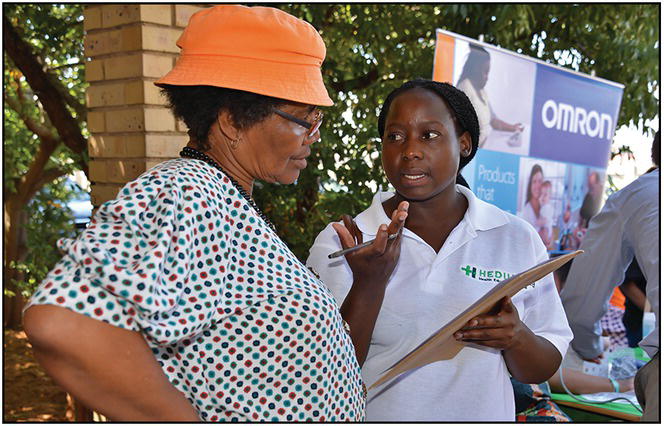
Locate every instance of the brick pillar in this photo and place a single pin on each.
(129, 46)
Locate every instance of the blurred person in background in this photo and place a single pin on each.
(627, 227)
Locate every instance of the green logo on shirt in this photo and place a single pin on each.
(485, 274)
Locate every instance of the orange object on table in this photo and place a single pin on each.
(617, 299)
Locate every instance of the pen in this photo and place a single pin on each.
(357, 247)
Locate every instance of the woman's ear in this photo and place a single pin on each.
(227, 126)
(465, 144)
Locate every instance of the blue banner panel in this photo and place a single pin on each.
(574, 118)
(496, 178)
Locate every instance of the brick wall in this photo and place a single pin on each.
(128, 47)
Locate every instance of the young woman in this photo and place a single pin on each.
(448, 255)
(531, 208)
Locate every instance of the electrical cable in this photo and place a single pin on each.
(586, 401)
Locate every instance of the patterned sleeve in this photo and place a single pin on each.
(132, 266)
(335, 273)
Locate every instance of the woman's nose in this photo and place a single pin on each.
(411, 150)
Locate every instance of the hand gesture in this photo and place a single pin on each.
(374, 264)
(500, 330)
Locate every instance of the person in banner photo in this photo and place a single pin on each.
(574, 223)
(472, 81)
(545, 222)
(537, 209)
(451, 249)
(180, 302)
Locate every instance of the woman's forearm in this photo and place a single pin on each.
(360, 310)
(109, 369)
(579, 382)
(533, 359)
(634, 294)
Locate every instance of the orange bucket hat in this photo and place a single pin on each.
(256, 49)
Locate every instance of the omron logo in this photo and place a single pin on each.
(573, 119)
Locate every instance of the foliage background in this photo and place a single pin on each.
(371, 49)
(36, 157)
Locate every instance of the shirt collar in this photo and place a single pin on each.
(481, 216)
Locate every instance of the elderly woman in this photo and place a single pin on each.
(180, 302)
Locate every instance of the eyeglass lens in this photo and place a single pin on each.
(318, 120)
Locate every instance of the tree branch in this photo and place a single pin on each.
(81, 110)
(27, 182)
(357, 83)
(42, 85)
(43, 132)
(72, 65)
(46, 177)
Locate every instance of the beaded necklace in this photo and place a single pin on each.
(188, 152)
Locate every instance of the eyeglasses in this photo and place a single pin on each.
(313, 126)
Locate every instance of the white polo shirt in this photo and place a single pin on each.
(426, 291)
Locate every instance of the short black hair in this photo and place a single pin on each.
(465, 117)
(199, 107)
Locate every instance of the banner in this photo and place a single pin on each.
(545, 135)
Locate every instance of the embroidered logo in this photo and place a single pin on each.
(485, 274)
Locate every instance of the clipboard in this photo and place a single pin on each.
(442, 346)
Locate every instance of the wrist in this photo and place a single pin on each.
(615, 385)
(366, 286)
(520, 339)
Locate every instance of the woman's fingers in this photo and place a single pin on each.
(493, 343)
(347, 240)
(398, 218)
(380, 243)
(481, 334)
(350, 235)
(352, 228)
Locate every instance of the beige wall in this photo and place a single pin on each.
(128, 47)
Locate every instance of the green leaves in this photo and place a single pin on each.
(373, 48)
(34, 155)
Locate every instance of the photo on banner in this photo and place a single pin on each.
(541, 195)
(534, 115)
(582, 198)
(501, 88)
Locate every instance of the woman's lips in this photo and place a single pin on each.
(413, 178)
(300, 163)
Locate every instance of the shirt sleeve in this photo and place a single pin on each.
(335, 273)
(131, 267)
(593, 276)
(544, 314)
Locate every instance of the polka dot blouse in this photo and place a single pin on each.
(237, 322)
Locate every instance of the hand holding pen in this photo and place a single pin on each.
(373, 262)
(342, 252)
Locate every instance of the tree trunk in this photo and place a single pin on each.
(14, 229)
